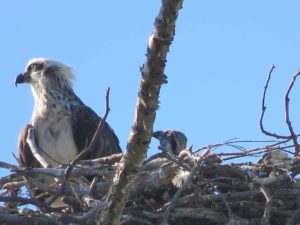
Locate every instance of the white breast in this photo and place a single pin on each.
(55, 140)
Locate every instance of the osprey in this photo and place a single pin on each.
(172, 141)
(63, 124)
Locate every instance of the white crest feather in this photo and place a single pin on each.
(65, 71)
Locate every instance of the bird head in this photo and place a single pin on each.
(171, 140)
(43, 74)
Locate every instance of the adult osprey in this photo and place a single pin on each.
(63, 124)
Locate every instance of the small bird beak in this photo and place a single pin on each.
(22, 78)
(157, 134)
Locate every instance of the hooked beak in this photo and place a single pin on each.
(157, 134)
(22, 78)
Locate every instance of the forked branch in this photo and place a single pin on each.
(263, 108)
(287, 113)
(293, 136)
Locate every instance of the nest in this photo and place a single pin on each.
(188, 189)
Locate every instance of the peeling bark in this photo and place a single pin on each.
(152, 78)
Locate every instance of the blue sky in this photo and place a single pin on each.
(216, 68)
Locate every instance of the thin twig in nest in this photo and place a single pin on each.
(267, 214)
(264, 110)
(287, 113)
(34, 149)
(84, 152)
(172, 204)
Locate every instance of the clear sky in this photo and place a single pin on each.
(216, 68)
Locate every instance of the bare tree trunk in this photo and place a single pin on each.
(152, 78)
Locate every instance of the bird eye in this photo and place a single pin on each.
(31, 67)
(34, 67)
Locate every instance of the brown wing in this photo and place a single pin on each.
(26, 157)
(85, 122)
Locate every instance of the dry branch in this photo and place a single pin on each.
(198, 164)
(84, 152)
(292, 135)
(152, 78)
(264, 109)
(34, 149)
(287, 114)
(267, 214)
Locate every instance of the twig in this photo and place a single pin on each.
(203, 199)
(294, 218)
(8, 166)
(267, 213)
(229, 211)
(263, 107)
(287, 113)
(15, 219)
(88, 218)
(93, 185)
(110, 160)
(30, 139)
(21, 200)
(59, 172)
(255, 152)
(34, 149)
(92, 144)
(134, 220)
(188, 213)
(172, 204)
(252, 151)
(13, 185)
(241, 148)
(84, 152)
(170, 156)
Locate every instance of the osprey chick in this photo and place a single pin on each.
(172, 141)
(63, 124)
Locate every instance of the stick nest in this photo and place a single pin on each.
(191, 188)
